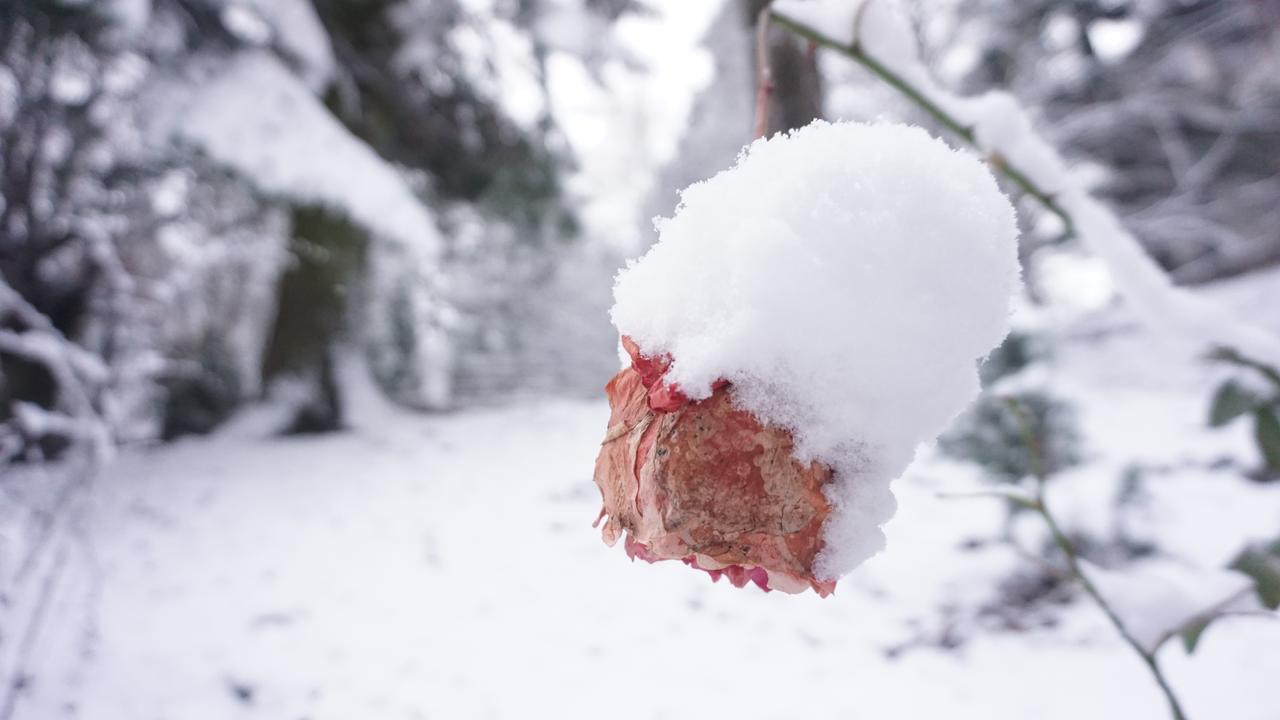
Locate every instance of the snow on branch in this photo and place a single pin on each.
(80, 375)
(258, 118)
(876, 34)
(1160, 599)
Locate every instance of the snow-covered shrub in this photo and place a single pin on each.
(990, 435)
(1170, 103)
(1019, 350)
(1255, 395)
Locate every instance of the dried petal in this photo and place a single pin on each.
(705, 482)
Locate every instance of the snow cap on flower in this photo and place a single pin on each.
(846, 280)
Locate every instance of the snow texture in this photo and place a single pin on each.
(501, 64)
(846, 279)
(1002, 128)
(246, 24)
(300, 34)
(1114, 40)
(359, 575)
(1160, 598)
(262, 121)
(291, 27)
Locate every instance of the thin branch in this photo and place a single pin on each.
(1019, 178)
(764, 73)
(1228, 355)
(917, 97)
(1041, 507)
(1009, 494)
(1248, 339)
(1073, 562)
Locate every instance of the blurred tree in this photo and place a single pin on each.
(720, 122)
(106, 300)
(433, 87)
(328, 260)
(142, 247)
(797, 85)
(1178, 99)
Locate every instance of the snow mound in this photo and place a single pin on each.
(846, 279)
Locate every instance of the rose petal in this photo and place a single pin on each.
(705, 482)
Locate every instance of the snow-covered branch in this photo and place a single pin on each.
(80, 377)
(878, 36)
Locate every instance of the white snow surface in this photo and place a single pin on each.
(846, 279)
(444, 567)
(1114, 40)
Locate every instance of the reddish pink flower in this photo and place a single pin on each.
(707, 483)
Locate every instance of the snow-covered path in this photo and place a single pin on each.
(445, 567)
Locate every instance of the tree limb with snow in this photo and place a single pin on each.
(875, 34)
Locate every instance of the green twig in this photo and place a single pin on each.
(1019, 177)
(1231, 356)
(937, 112)
(1041, 507)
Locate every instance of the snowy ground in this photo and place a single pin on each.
(446, 568)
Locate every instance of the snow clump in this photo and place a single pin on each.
(846, 279)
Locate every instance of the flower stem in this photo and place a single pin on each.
(916, 96)
(919, 97)
(1041, 507)
(1019, 178)
(764, 73)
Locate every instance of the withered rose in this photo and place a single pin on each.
(706, 483)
